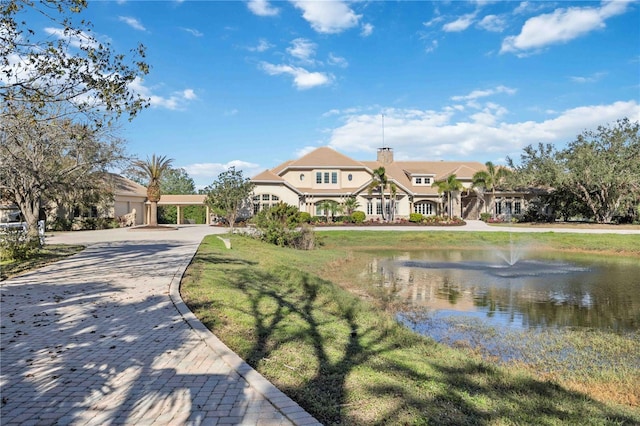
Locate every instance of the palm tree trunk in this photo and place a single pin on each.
(153, 220)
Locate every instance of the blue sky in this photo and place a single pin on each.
(254, 83)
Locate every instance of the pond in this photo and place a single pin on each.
(512, 288)
(571, 317)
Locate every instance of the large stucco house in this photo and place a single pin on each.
(325, 174)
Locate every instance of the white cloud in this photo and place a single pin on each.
(460, 24)
(431, 46)
(262, 8)
(132, 22)
(433, 135)
(302, 79)
(337, 61)
(175, 101)
(329, 17)
(493, 23)
(302, 49)
(561, 26)
(193, 32)
(189, 94)
(433, 21)
(588, 79)
(476, 94)
(262, 46)
(367, 30)
(205, 173)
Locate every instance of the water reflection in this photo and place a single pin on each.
(537, 291)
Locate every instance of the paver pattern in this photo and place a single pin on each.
(103, 338)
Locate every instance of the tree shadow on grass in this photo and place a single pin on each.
(96, 339)
(289, 308)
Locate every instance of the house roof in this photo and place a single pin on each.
(399, 172)
(267, 176)
(325, 157)
(187, 199)
(124, 187)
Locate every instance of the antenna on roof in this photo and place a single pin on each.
(383, 130)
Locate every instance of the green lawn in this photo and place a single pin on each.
(289, 314)
(48, 254)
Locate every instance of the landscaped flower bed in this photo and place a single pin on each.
(426, 221)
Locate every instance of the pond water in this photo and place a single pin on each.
(511, 289)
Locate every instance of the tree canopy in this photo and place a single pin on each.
(66, 64)
(599, 170)
(229, 194)
(62, 91)
(51, 160)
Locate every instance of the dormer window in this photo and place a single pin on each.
(422, 180)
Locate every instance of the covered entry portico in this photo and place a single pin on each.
(180, 201)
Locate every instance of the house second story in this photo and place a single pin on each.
(325, 171)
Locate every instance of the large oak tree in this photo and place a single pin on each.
(600, 169)
(62, 89)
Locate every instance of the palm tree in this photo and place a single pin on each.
(351, 204)
(380, 183)
(393, 189)
(489, 179)
(153, 168)
(329, 207)
(447, 186)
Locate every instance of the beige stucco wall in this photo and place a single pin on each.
(285, 194)
(123, 205)
(358, 178)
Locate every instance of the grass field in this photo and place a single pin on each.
(48, 254)
(305, 325)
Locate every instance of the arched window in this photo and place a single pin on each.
(425, 207)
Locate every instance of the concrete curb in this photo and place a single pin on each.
(289, 408)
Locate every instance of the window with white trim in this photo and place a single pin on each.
(424, 208)
(264, 201)
(517, 207)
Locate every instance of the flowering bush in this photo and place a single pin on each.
(442, 220)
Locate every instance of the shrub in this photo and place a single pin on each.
(279, 225)
(15, 245)
(416, 217)
(485, 217)
(304, 217)
(358, 216)
(60, 224)
(443, 220)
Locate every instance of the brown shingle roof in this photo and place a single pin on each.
(123, 186)
(267, 175)
(325, 157)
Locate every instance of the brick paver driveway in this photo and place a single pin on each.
(103, 338)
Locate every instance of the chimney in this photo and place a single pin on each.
(385, 155)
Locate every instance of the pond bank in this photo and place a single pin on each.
(346, 361)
